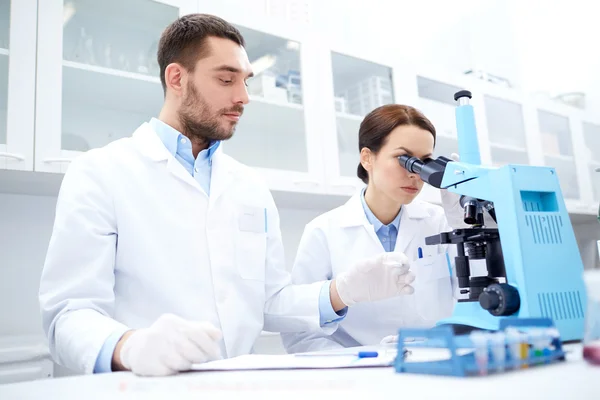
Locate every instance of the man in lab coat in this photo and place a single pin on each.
(165, 251)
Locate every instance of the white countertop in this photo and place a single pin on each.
(573, 379)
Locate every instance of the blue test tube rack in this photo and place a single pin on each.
(465, 365)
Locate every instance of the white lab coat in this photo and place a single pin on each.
(135, 236)
(334, 241)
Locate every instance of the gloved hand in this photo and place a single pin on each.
(451, 202)
(455, 214)
(383, 276)
(171, 344)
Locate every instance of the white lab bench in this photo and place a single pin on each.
(572, 379)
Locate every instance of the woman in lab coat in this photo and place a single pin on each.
(383, 216)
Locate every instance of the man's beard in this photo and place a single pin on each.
(198, 123)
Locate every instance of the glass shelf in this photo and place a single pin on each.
(110, 73)
(591, 134)
(359, 87)
(100, 106)
(445, 146)
(505, 122)
(270, 136)
(502, 155)
(567, 174)
(436, 101)
(556, 134)
(347, 135)
(271, 133)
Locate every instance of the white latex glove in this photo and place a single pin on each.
(383, 276)
(451, 202)
(170, 345)
(455, 214)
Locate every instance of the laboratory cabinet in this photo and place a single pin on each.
(97, 74)
(17, 83)
(92, 78)
(24, 358)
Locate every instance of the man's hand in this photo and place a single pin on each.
(170, 345)
(383, 276)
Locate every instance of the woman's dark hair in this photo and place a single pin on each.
(379, 123)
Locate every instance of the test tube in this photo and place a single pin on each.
(498, 342)
(550, 335)
(513, 337)
(553, 334)
(524, 348)
(480, 341)
(538, 342)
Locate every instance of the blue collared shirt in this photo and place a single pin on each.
(181, 148)
(387, 234)
(200, 168)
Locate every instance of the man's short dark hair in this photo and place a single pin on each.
(184, 41)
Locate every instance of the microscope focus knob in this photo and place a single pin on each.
(500, 299)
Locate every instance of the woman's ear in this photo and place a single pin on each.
(366, 159)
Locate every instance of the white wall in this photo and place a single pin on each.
(25, 228)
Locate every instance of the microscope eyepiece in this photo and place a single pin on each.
(411, 164)
(429, 170)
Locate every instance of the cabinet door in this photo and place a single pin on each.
(359, 86)
(17, 83)
(591, 132)
(98, 77)
(360, 82)
(558, 150)
(272, 134)
(506, 131)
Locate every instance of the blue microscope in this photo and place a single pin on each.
(534, 267)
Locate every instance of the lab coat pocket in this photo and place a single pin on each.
(250, 255)
(433, 289)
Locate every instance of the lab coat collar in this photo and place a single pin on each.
(354, 215)
(149, 144)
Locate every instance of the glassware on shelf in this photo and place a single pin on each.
(84, 52)
(340, 104)
(108, 56)
(142, 63)
(124, 64)
(153, 67)
(368, 94)
(264, 85)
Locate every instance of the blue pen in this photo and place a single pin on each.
(360, 354)
(420, 252)
(368, 354)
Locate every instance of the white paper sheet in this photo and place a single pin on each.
(291, 361)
